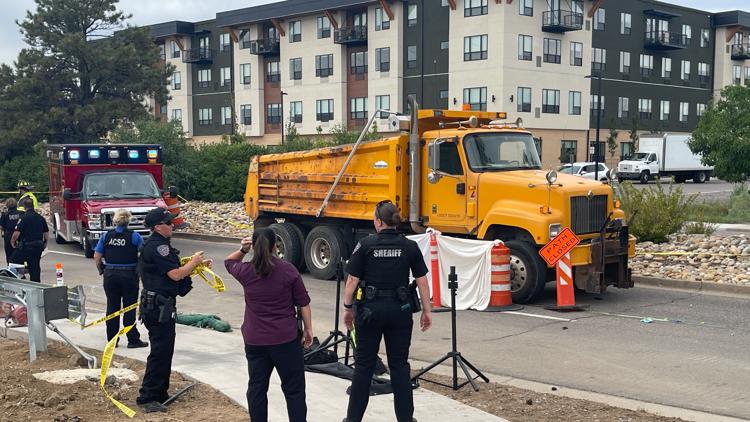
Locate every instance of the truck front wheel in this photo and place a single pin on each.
(645, 176)
(288, 244)
(324, 247)
(88, 250)
(527, 271)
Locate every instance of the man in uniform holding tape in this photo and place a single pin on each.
(163, 279)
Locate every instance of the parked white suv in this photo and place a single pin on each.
(586, 169)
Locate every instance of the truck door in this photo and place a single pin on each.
(444, 198)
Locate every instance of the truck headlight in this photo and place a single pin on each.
(95, 221)
(554, 230)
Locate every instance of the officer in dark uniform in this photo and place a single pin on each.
(163, 279)
(376, 302)
(30, 239)
(119, 249)
(8, 222)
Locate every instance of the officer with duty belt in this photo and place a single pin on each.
(379, 302)
(30, 239)
(163, 279)
(119, 250)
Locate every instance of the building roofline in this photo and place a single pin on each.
(731, 18)
(282, 9)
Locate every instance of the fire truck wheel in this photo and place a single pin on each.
(527, 271)
(288, 243)
(58, 238)
(324, 247)
(88, 250)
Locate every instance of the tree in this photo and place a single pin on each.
(78, 80)
(634, 137)
(612, 141)
(723, 135)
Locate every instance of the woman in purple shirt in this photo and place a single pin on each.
(273, 288)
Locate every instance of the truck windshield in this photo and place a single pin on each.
(501, 151)
(639, 156)
(119, 186)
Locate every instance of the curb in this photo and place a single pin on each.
(701, 286)
(206, 237)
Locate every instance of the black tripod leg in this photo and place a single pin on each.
(429, 368)
(478, 372)
(469, 377)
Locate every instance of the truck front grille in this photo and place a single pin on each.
(588, 215)
(136, 221)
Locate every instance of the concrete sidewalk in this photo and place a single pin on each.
(218, 359)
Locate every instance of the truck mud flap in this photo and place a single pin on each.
(610, 258)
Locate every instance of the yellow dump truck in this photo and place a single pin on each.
(465, 173)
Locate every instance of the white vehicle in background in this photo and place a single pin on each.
(662, 156)
(587, 170)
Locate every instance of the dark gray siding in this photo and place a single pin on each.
(215, 95)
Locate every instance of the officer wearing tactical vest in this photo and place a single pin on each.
(163, 279)
(8, 222)
(24, 189)
(378, 293)
(119, 249)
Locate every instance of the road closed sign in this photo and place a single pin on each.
(559, 246)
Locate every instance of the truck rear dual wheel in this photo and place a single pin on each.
(289, 244)
(700, 177)
(527, 271)
(324, 247)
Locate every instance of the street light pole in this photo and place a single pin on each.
(282, 116)
(598, 124)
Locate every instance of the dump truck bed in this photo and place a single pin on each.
(296, 183)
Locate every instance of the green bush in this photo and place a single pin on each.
(739, 204)
(31, 167)
(655, 212)
(222, 171)
(700, 227)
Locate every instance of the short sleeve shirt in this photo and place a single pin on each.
(136, 240)
(384, 260)
(32, 227)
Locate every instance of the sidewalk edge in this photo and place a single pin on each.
(704, 286)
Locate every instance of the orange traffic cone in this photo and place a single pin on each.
(174, 208)
(501, 296)
(566, 295)
(435, 270)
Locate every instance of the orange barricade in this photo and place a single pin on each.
(174, 208)
(501, 297)
(566, 295)
(435, 270)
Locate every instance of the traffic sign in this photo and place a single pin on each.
(563, 243)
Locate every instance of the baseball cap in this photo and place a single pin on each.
(156, 216)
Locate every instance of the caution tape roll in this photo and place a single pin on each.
(201, 270)
(109, 350)
(692, 253)
(108, 317)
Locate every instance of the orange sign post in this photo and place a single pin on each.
(557, 253)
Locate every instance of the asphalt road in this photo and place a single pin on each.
(713, 189)
(696, 359)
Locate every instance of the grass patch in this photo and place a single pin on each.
(735, 210)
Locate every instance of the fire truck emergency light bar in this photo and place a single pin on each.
(110, 154)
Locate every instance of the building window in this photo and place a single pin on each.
(664, 110)
(737, 74)
(524, 47)
(324, 110)
(176, 80)
(644, 108)
(204, 78)
(226, 76)
(747, 75)
(295, 69)
(358, 63)
(599, 19)
(552, 50)
(705, 37)
(444, 45)
(383, 59)
(475, 7)
(295, 31)
(647, 65)
(162, 109)
(475, 48)
(162, 51)
(226, 115)
(411, 18)
(551, 101)
(684, 112)
(273, 74)
(324, 27)
(177, 115)
(324, 65)
(273, 114)
(245, 73)
(598, 59)
(595, 105)
(568, 151)
(526, 7)
(625, 23)
(246, 114)
(576, 54)
(524, 100)
(383, 102)
(686, 70)
(700, 109)
(411, 57)
(626, 150)
(205, 116)
(623, 107)
(704, 74)
(574, 103)
(382, 21)
(624, 62)
(295, 111)
(687, 33)
(666, 67)
(224, 42)
(358, 108)
(244, 39)
(175, 49)
(476, 98)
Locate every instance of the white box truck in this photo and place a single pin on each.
(662, 156)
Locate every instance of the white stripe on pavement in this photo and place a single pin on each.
(538, 316)
(65, 253)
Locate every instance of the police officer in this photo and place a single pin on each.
(30, 239)
(24, 189)
(8, 222)
(163, 279)
(377, 293)
(119, 248)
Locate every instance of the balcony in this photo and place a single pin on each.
(198, 55)
(351, 35)
(265, 47)
(741, 52)
(561, 21)
(666, 40)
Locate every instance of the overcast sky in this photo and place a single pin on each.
(154, 11)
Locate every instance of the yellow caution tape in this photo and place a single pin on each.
(201, 270)
(108, 317)
(690, 253)
(109, 350)
(243, 226)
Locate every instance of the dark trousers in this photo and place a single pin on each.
(121, 288)
(390, 321)
(31, 256)
(8, 248)
(159, 363)
(289, 363)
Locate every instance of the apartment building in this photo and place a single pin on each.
(731, 49)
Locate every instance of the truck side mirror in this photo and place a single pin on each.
(172, 191)
(433, 162)
(67, 194)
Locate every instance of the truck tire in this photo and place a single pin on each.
(699, 177)
(644, 178)
(58, 238)
(88, 250)
(288, 244)
(302, 233)
(679, 179)
(324, 247)
(528, 271)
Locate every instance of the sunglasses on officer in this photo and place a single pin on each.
(165, 223)
(380, 204)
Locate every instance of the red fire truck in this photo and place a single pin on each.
(89, 182)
